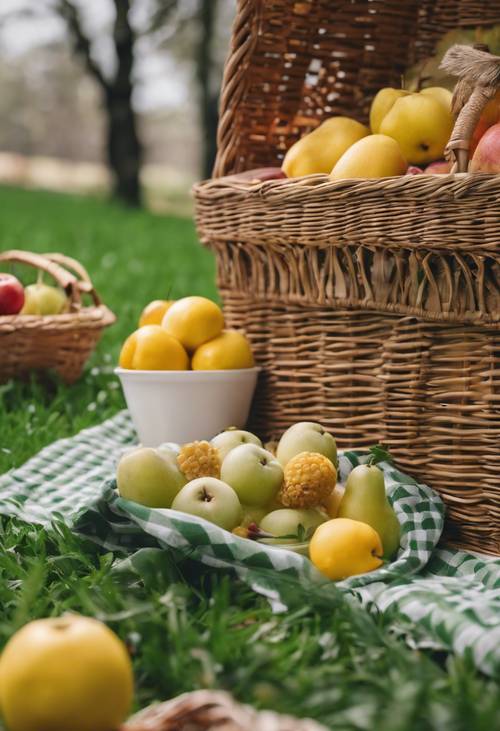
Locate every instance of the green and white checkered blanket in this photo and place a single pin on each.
(439, 598)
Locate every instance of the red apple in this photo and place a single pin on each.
(440, 167)
(486, 158)
(11, 294)
(489, 117)
(414, 170)
(259, 175)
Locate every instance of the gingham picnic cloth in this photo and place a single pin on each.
(438, 598)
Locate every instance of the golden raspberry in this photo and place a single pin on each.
(309, 479)
(199, 459)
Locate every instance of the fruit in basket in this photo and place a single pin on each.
(151, 348)
(414, 170)
(11, 294)
(490, 116)
(253, 514)
(193, 321)
(154, 313)
(254, 473)
(291, 526)
(309, 479)
(150, 477)
(382, 103)
(375, 156)
(70, 672)
(365, 499)
(199, 459)
(421, 125)
(332, 503)
(342, 547)
(439, 167)
(228, 350)
(306, 436)
(318, 151)
(42, 299)
(231, 438)
(440, 94)
(486, 158)
(212, 499)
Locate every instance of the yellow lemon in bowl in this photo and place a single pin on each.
(193, 321)
(228, 351)
(154, 313)
(151, 348)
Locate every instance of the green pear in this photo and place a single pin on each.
(365, 500)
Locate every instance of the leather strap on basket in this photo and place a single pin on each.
(479, 81)
(64, 279)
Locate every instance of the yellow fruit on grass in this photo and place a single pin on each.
(383, 103)
(193, 321)
(229, 350)
(151, 348)
(154, 313)
(318, 151)
(66, 674)
(421, 124)
(341, 548)
(375, 156)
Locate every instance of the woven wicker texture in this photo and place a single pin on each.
(62, 342)
(373, 306)
(205, 710)
(294, 63)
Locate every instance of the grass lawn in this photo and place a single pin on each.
(187, 627)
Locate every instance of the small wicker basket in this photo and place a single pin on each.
(205, 710)
(62, 342)
(373, 305)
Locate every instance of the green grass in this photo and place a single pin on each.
(186, 627)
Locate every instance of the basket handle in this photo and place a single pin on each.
(85, 283)
(479, 80)
(64, 279)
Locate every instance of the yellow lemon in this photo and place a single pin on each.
(67, 673)
(154, 313)
(193, 321)
(229, 350)
(151, 348)
(342, 547)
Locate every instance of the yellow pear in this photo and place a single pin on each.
(382, 104)
(442, 95)
(375, 156)
(318, 151)
(421, 125)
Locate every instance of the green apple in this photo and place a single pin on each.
(231, 438)
(254, 473)
(149, 476)
(212, 499)
(42, 299)
(287, 522)
(252, 514)
(306, 436)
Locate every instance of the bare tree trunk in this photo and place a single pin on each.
(208, 85)
(124, 148)
(123, 144)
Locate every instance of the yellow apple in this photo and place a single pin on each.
(442, 95)
(318, 151)
(375, 156)
(382, 104)
(421, 125)
(342, 547)
(65, 673)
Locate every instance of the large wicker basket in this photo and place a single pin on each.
(61, 342)
(373, 305)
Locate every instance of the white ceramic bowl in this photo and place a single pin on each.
(182, 406)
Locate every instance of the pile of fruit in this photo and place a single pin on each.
(408, 133)
(183, 334)
(35, 299)
(283, 494)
